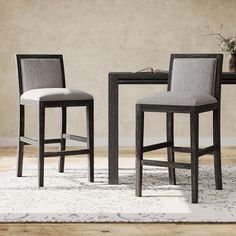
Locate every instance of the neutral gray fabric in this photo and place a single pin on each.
(195, 75)
(177, 98)
(192, 84)
(53, 94)
(41, 73)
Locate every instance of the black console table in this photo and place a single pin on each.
(119, 78)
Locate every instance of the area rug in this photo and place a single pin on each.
(68, 197)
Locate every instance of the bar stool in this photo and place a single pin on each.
(42, 85)
(193, 87)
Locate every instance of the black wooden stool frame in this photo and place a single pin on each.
(194, 150)
(41, 141)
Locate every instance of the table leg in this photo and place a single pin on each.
(113, 131)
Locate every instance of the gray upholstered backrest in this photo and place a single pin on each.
(195, 75)
(41, 72)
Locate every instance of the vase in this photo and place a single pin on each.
(232, 63)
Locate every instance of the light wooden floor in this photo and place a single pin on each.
(8, 159)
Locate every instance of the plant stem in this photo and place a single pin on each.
(217, 34)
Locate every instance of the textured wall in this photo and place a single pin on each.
(98, 36)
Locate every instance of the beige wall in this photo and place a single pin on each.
(98, 36)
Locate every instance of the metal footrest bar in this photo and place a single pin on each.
(201, 151)
(67, 153)
(76, 138)
(207, 150)
(156, 146)
(182, 149)
(33, 141)
(166, 164)
(54, 140)
(29, 141)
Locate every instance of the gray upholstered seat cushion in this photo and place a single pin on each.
(177, 99)
(53, 94)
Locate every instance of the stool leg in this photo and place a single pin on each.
(20, 151)
(217, 152)
(170, 138)
(139, 150)
(194, 132)
(63, 140)
(90, 143)
(41, 134)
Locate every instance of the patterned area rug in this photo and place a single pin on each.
(68, 197)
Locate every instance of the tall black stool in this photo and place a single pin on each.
(42, 85)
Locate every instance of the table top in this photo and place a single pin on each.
(158, 77)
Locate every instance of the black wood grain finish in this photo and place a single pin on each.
(194, 150)
(156, 146)
(194, 133)
(41, 137)
(139, 150)
(63, 140)
(217, 152)
(170, 139)
(21, 132)
(90, 143)
(41, 141)
(113, 131)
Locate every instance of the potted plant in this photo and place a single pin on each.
(228, 45)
